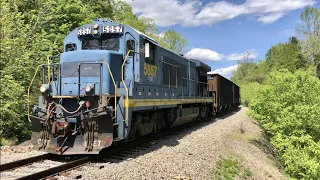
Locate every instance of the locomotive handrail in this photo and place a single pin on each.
(48, 58)
(34, 76)
(28, 96)
(126, 101)
(115, 89)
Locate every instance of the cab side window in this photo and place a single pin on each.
(130, 46)
(71, 47)
(151, 58)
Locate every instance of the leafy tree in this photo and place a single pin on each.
(98, 8)
(173, 41)
(125, 15)
(170, 40)
(309, 31)
(20, 50)
(13, 123)
(286, 56)
(250, 77)
(33, 30)
(309, 22)
(285, 100)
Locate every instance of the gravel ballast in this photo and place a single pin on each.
(17, 153)
(192, 154)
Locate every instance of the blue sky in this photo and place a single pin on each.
(222, 32)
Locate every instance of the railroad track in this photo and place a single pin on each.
(55, 170)
(24, 162)
(118, 152)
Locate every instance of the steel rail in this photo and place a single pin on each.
(23, 162)
(55, 170)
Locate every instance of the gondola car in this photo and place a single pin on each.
(226, 93)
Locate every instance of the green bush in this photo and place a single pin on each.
(288, 108)
(13, 124)
(248, 91)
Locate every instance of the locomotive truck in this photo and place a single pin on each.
(113, 83)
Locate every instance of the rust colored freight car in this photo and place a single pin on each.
(226, 94)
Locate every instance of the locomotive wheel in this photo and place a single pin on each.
(203, 112)
(133, 130)
(145, 123)
(158, 124)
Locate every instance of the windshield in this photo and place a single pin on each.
(106, 43)
(90, 44)
(70, 69)
(111, 44)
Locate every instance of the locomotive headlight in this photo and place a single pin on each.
(95, 31)
(96, 26)
(43, 89)
(88, 88)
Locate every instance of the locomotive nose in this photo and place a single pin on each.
(95, 74)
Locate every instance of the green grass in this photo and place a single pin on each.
(229, 168)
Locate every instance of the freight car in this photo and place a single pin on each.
(114, 83)
(226, 93)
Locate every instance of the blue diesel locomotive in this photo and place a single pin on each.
(113, 83)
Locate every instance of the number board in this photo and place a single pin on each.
(84, 31)
(115, 29)
(150, 70)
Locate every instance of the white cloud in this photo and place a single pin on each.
(270, 18)
(249, 54)
(195, 13)
(203, 54)
(209, 55)
(226, 72)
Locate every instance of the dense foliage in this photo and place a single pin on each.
(283, 93)
(33, 30)
(288, 108)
